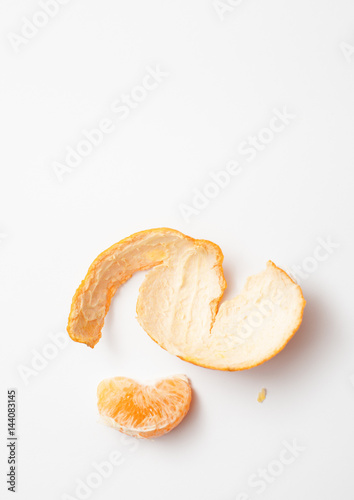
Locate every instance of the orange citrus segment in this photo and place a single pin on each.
(144, 411)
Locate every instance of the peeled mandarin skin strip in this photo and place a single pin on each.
(246, 331)
(112, 268)
(144, 411)
(178, 303)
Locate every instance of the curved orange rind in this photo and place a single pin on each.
(179, 301)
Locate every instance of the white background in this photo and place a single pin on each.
(225, 78)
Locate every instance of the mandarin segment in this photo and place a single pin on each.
(144, 411)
